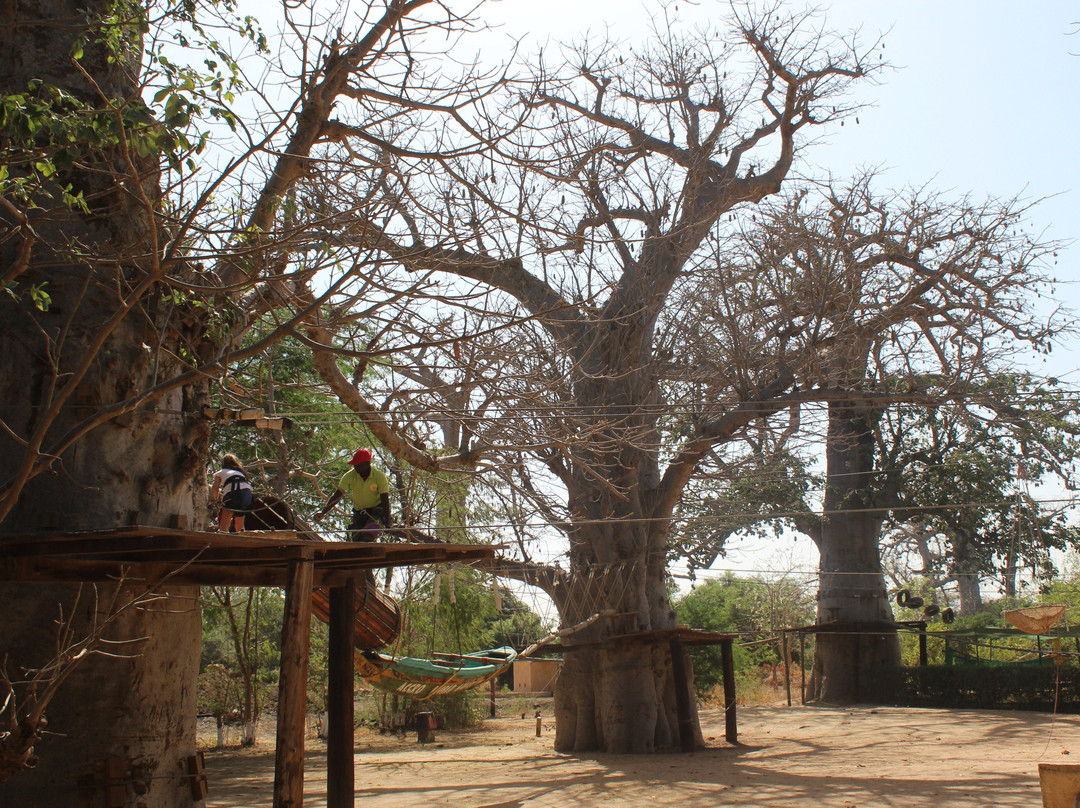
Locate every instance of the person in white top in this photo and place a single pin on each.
(232, 489)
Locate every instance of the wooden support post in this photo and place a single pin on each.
(425, 727)
(292, 687)
(855, 666)
(196, 767)
(727, 658)
(493, 697)
(924, 656)
(681, 678)
(116, 778)
(802, 665)
(340, 768)
(785, 653)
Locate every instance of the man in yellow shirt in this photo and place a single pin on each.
(370, 493)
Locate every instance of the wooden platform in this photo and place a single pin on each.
(252, 558)
(298, 563)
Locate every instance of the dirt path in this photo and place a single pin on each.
(789, 757)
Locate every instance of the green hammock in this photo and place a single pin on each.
(424, 678)
(450, 673)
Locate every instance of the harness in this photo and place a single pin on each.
(232, 485)
(236, 493)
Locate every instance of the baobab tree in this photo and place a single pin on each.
(134, 259)
(567, 241)
(893, 298)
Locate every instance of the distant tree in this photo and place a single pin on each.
(889, 298)
(966, 483)
(445, 610)
(748, 495)
(241, 633)
(1065, 590)
(219, 695)
(303, 462)
(515, 624)
(755, 606)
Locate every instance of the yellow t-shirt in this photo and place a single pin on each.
(365, 493)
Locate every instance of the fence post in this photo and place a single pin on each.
(727, 657)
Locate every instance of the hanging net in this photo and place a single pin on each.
(1034, 619)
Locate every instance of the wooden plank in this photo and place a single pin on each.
(340, 767)
(142, 531)
(785, 654)
(687, 636)
(222, 555)
(94, 547)
(181, 549)
(120, 531)
(123, 530)
(200, 572)
(267, 535)
(396, 555)
(292, 686)
(33, 570)
(252, 558)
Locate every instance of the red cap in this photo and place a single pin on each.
(361, 456)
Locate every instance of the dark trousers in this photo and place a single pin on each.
(365, 525)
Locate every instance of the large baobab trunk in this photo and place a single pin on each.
(852, 591)
(108, 335)
(617, 694)
(966, 572)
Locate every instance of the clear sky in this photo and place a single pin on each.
(983, 101)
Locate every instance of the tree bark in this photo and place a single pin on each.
(617, 693)
(852, 592)
(970, 594)
(107, 336)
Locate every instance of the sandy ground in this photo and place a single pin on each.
(792, 757)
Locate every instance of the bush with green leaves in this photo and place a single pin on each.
(756, 608)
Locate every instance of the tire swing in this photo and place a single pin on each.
(905, 600)
(947, 615)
